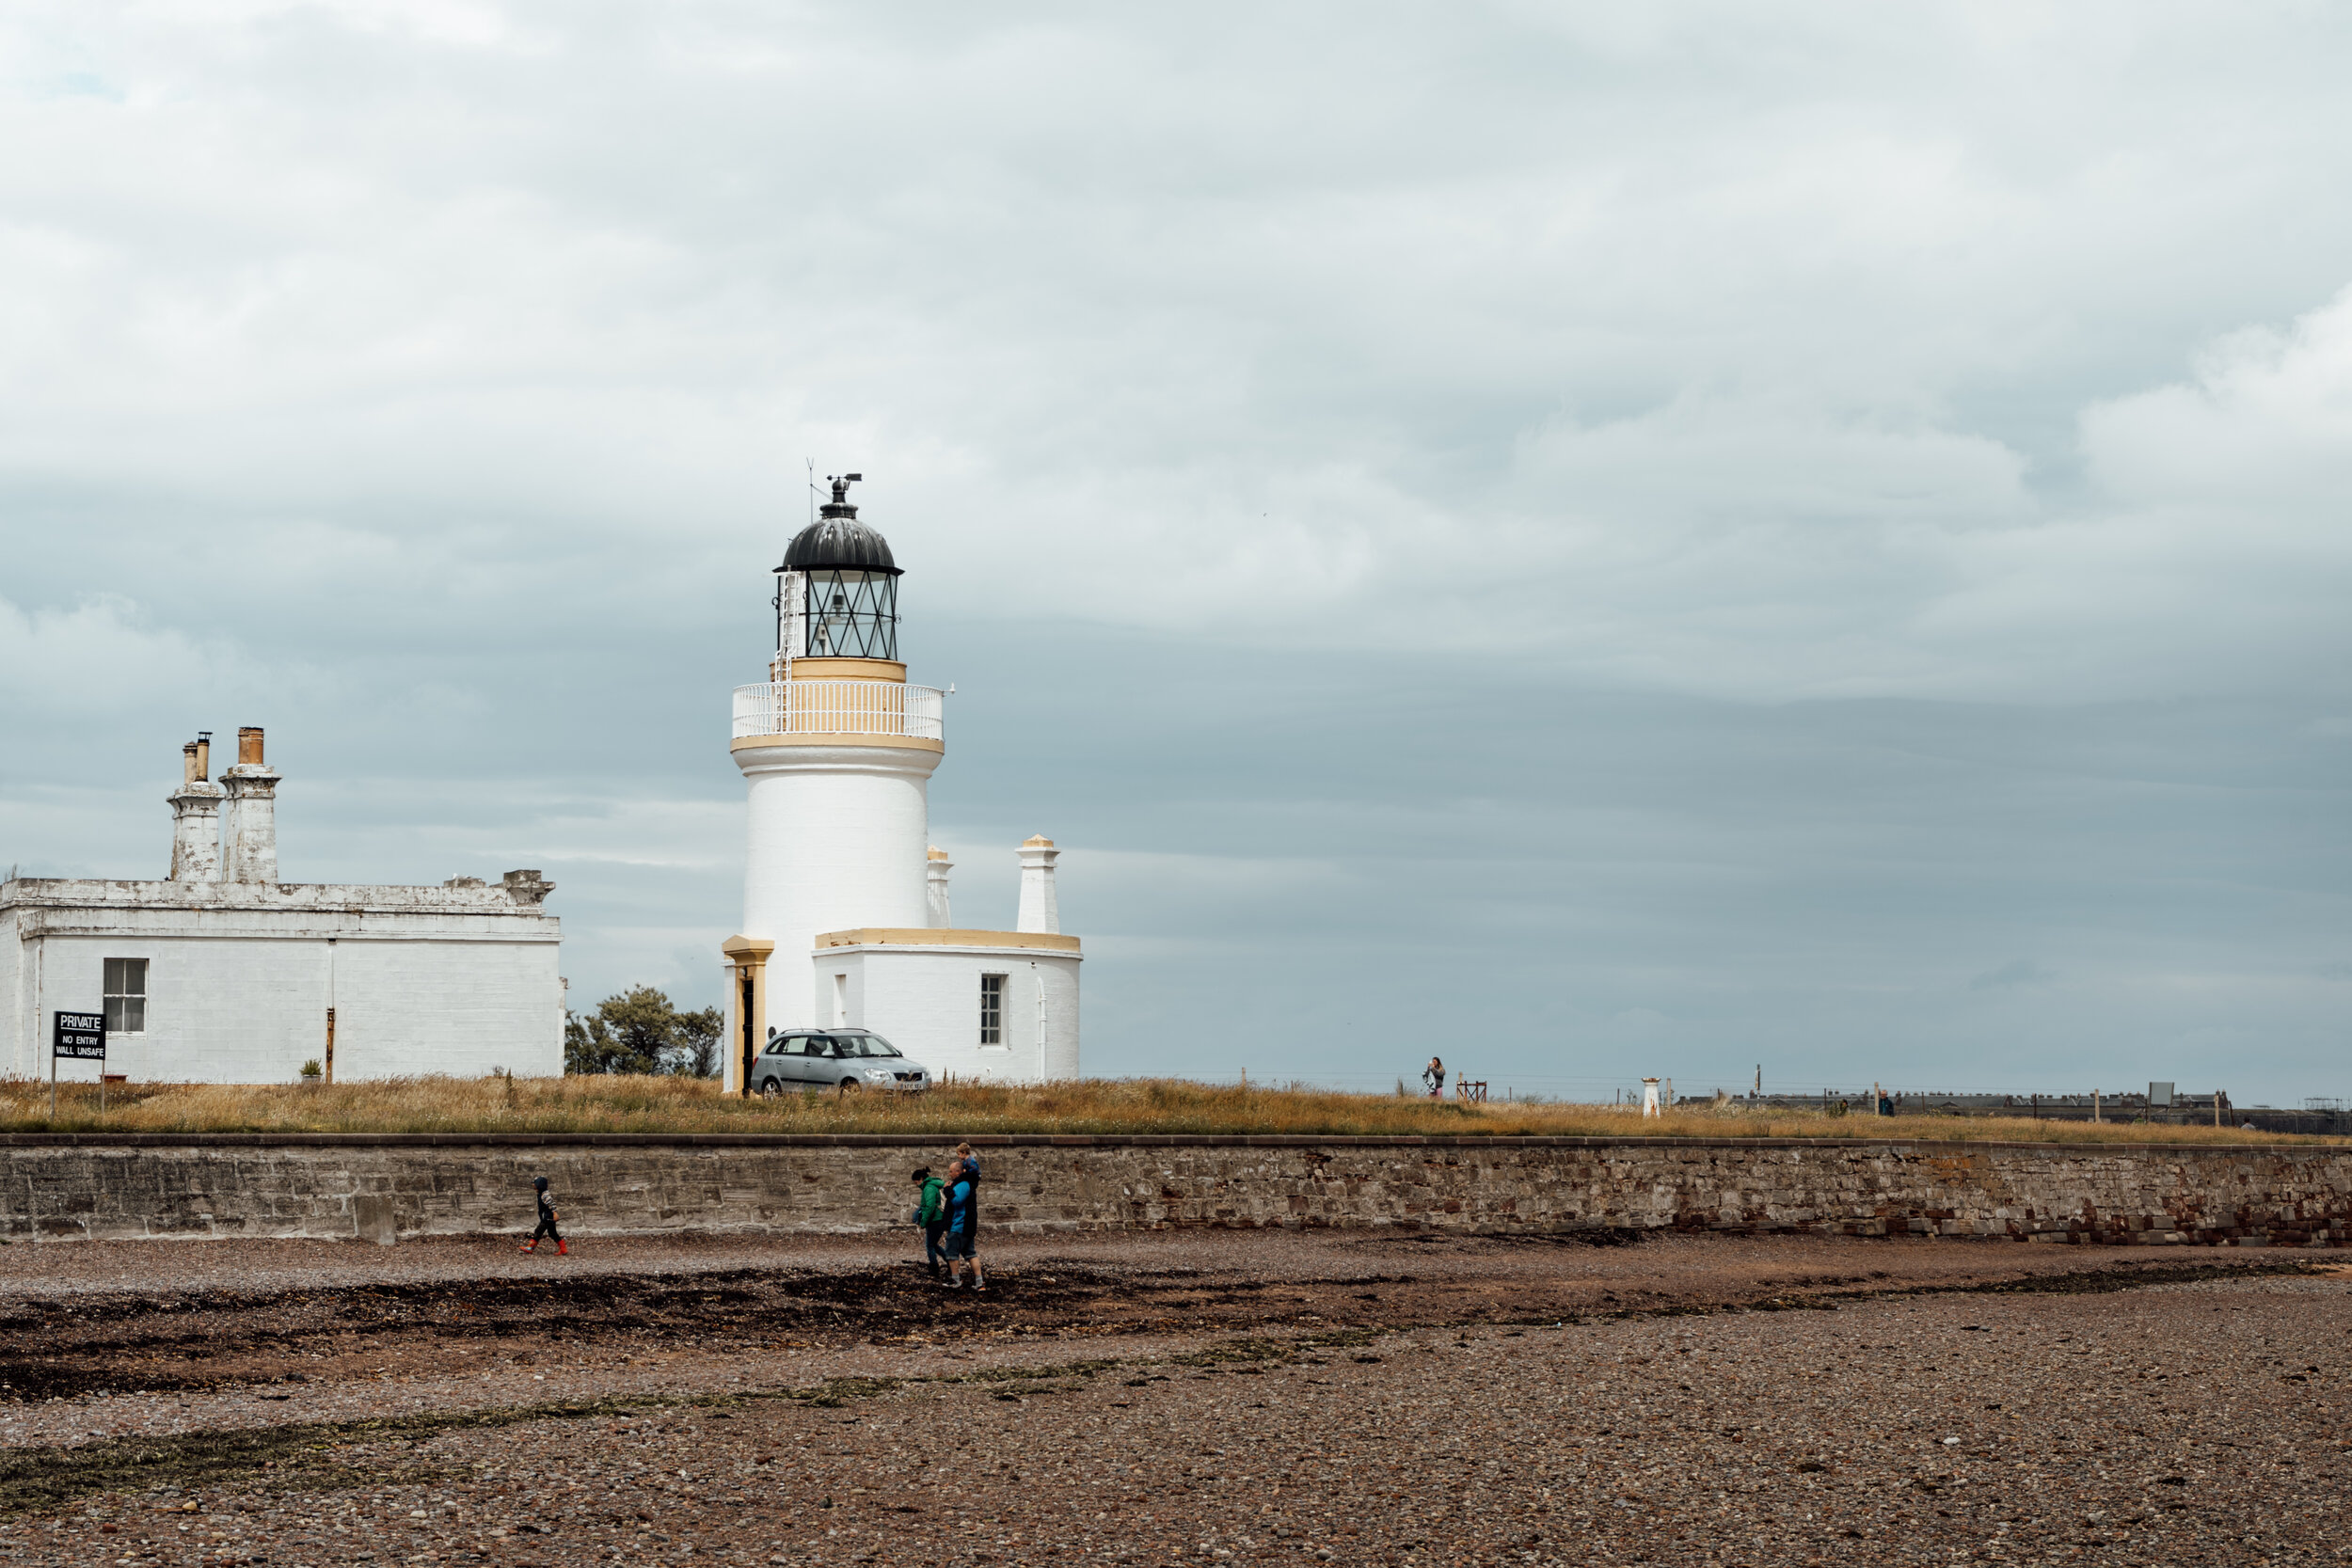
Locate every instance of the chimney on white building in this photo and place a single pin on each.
(249, 827)
(1038, 910)
(939, 867)
(196, 815)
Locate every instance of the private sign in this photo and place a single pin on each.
(80, 1035)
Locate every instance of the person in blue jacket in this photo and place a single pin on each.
(963, 1224)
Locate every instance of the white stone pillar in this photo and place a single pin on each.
(1649, 1097)
(1039, 911)
(940, 865)
(195, 818)
(248, 831)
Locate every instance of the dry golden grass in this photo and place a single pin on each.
(627, 1104)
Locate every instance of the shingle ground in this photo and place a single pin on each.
(1666, 1419)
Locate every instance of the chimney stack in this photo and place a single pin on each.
(249, 837)
(939, 866)
(1038, 910)
(195, 818)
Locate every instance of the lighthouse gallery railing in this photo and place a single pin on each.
(839, 707)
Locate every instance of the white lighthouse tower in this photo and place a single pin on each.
(845, 903)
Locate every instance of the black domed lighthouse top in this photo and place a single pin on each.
(838, 541)
(837, 591)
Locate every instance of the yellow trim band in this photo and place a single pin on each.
(829, 668)
(919, 936)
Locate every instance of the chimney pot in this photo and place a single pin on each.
(187, 764)
(249, 746)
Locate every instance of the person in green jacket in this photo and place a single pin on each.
(930, 1213)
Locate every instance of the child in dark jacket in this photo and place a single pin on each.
(930, 1213)
(548, 1217)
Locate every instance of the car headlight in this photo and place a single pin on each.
(880, 1073)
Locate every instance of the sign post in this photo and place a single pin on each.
(82, 1037)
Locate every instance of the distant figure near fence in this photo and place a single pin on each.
(1434, 1075)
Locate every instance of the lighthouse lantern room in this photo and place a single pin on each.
(837, 591)
(845, 901)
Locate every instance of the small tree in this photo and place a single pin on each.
(697, 1043)
(639, 1030)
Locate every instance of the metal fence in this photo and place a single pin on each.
(839, 707)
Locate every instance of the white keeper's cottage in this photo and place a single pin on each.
(845, 919)
(222, 974)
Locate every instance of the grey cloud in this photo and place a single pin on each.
(1488, 520)
(2017, 972)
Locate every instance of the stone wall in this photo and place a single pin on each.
(63, 1186)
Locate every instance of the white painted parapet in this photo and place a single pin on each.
(1040, 909)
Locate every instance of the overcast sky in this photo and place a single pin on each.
(1599, 541)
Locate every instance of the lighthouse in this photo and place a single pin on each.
(844, 900)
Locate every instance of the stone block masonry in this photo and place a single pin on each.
(65, 1186)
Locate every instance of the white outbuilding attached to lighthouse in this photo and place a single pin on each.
(846, 912)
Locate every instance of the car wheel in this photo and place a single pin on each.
(851, 1084)
(770, 1088)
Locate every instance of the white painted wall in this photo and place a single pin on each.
(926, 1000)
(15, 1004)
(239, 995)
(839, 838)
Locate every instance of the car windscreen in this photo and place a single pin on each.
(867, 1045)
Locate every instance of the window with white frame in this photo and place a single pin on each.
(126, 996)
(991, 1009)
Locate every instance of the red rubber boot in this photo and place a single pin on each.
(562, 1247)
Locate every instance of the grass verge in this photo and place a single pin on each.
(1108, 1106)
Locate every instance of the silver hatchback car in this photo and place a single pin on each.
(830, 1058)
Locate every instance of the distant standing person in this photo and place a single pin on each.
(1434, 1075)
(963, 1225)
(548, 1217)
(930, 1213)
